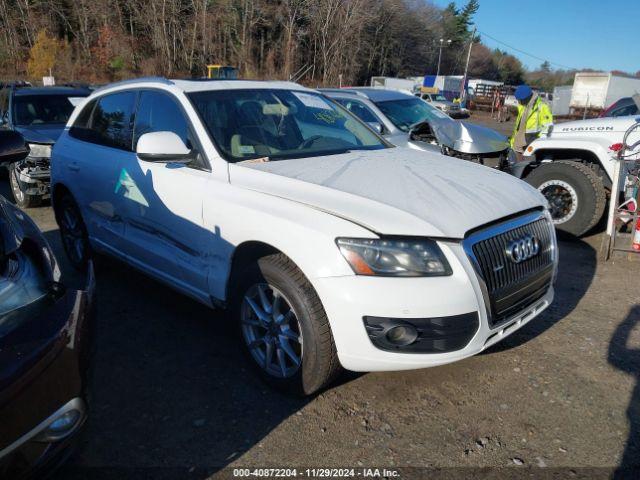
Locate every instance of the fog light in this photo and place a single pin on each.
(402, 335)
(61, 426)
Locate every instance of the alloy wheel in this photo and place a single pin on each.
(72, 235)
(271, 330)
(562, 198)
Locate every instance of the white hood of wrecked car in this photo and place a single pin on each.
(394, 191)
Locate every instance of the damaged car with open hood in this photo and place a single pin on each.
(330, 247)
(408, 121)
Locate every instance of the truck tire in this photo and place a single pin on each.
(575, 193)
(283, 326)
(22, 199)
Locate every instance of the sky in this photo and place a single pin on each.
(568, 33)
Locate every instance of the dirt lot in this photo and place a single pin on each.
(172, 397)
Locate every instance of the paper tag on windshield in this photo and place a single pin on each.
(312, 101)
(247, 149)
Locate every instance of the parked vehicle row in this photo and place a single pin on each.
(45, 341)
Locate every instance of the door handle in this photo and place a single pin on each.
(73, 167)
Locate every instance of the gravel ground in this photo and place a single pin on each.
(173, 397)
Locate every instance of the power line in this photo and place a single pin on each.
(526, 53)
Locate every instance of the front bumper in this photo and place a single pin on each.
(348, 299)
(47, 364)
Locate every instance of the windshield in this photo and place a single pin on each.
(279, 124)
(43, 109)
(406, 113)
(439, 98)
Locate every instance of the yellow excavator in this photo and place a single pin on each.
(222, 72)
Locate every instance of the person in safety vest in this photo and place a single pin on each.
(534, 118)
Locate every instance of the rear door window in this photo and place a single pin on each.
(112, 119)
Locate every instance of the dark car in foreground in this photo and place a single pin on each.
(40, 115)
(45, 332)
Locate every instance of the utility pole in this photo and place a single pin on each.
(463, 91)
(440, 53)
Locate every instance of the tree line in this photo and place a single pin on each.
(318, 42)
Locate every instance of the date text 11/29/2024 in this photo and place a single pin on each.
(361, 472)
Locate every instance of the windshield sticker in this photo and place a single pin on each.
(75, 101)
(247, 149)
(312, 101)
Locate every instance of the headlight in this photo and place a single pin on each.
(394, 257)
(24, 287)
(39, 151)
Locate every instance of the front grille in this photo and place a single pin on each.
(511, 287)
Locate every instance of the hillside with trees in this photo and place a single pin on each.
(315, 41)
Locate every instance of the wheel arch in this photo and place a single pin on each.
(245, 253)
(59, 190)
(577, 154)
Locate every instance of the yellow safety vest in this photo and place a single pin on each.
(540, 118)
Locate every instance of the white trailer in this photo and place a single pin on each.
(402, 84)
(596, 91)
(561, 100)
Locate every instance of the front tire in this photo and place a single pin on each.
(575, 193)
(283, 326)
(22, 199)
(73, 232)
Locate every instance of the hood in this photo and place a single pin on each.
(468, 138)
(395, 191)
(594, 126)
(402, 140)
(41, 133)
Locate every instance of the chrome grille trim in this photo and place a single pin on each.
(485, 250)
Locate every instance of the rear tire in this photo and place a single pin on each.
(256, 312)
(575, 193)
(73, 232)
(22, 199)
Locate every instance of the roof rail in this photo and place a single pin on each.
(136, 80)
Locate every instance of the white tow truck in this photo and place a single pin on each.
(573, 166)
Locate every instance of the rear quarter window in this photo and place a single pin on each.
(80, 128)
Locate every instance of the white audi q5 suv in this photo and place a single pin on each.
(330, 246)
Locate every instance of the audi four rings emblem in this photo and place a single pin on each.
(524, 248)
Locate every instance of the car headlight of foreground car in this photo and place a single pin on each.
(394, 257)
(25, 287)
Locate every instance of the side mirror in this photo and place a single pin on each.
(163, 147)
(376, 127)
(13, 147)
